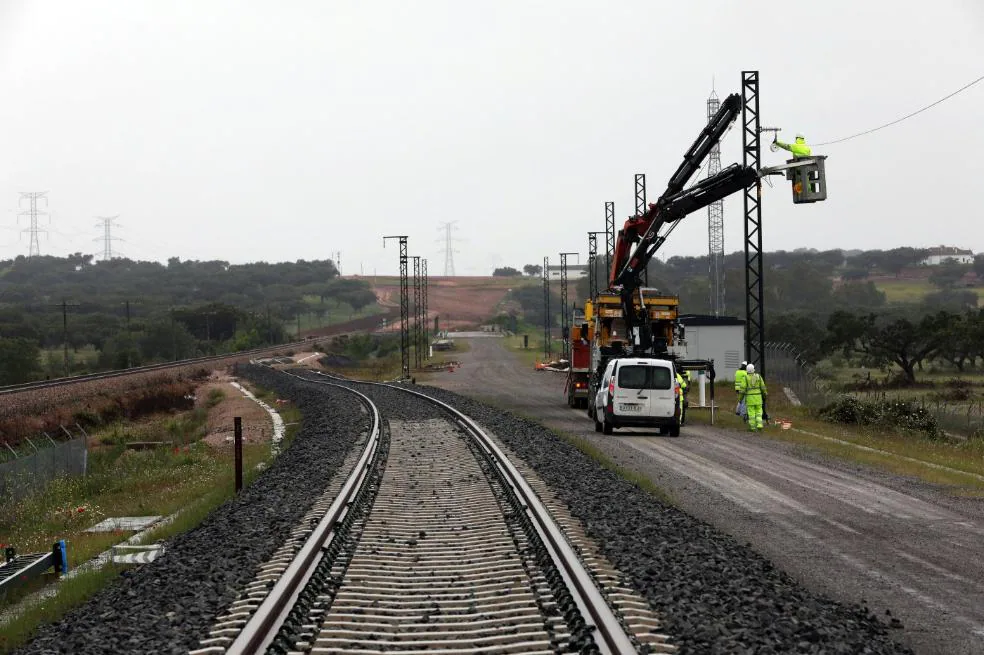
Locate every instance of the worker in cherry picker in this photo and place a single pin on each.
(798, 148)
(753, 393)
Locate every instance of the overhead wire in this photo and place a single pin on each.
(907, 116)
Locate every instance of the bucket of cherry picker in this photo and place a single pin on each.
(808, 177)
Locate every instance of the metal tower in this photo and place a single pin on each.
(32, 213)
(547, 349)
(715, 222)
(416, 312)
(566, 319)
(404, 307)
(609, 237)
(425, 332)
(640, 209)
(751, 155)
(593, 264)
(107, 238)
(448, 227)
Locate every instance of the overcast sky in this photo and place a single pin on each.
(277, 131)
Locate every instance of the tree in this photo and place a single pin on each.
(882, 340)
(19, 360)
(895, 260)
(979, 267)
(948, 274)
(860, 295)
(958, 339)
(800, 330)
(532, 269)
(506, 271)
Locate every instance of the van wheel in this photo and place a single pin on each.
(597, 425)
(607, 427)
(663, 431)
(675, 431)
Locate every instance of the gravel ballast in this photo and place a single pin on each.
(715, 595)
(167, 606)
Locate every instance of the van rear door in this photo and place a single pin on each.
(662, 401)
(632, 393)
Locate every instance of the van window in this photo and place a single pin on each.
(644, 377)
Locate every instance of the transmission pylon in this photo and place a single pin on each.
(107, 223)
(31, 212)
(448, 228)
(404, 307)
(715, 222)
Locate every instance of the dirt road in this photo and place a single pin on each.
(910, 550)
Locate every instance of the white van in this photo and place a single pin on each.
(638, 392)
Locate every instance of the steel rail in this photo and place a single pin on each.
(610, 635)
(265, 623)
(105, 375)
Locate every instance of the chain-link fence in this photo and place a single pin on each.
(803, 386)
(23, 473)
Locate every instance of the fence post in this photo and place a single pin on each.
(238, 426)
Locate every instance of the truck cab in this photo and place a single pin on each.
(638, 392)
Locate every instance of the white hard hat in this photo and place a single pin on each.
(744, 363)
(751, 368)
(799, 135)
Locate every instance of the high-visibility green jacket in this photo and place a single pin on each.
(753, 390)
(799, 148)
(739, 376)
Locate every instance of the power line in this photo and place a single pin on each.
(907, 116)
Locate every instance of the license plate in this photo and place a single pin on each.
(629, 407)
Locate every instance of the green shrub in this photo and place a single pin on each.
(883, 413)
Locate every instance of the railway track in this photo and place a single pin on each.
(434, 542)
(106, 375)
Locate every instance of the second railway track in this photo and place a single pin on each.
(434, 543)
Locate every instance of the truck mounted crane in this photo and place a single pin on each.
(642, 235)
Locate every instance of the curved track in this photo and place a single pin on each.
(435, 541)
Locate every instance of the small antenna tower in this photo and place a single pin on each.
(32, 213)
(448, 227)
(107, 238)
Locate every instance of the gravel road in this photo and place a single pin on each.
(908, 550)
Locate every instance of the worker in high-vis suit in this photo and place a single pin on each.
(798, 148)
(753, 393)
(739, 376)
(684, 386)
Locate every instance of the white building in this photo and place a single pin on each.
(574, 271)
(720, 339)
(942, 254)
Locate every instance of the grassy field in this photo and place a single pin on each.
(189, 478)
(912, 291)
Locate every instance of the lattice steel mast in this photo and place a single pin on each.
(715, 223)
(404, 307)
(547, 348)
(752, 156)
